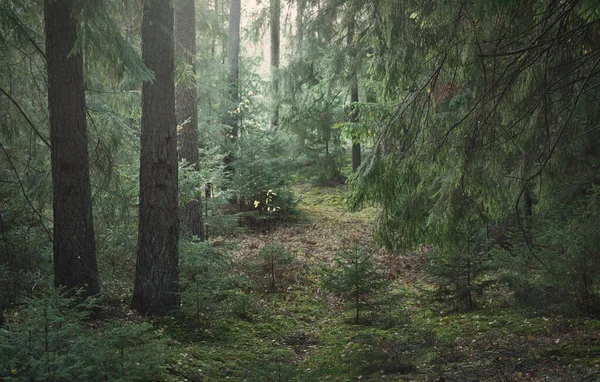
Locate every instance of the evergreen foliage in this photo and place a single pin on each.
(315, 91)
(477, 121)
(460, 277)
(263, 173)
(52, 339)
(276, 264)
(355, 277)
(204, 282)
(487, 121)
(565, 277)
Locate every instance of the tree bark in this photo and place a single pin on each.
(157, 271)
(356, 150)
(356, 157)
(186, 110)
(233, 56)
(275, 15)
(75, 263)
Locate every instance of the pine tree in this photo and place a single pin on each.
(186, 109)
(300, 6)
(156, 277)
(494, 132)
(313, 97)
(233, 58)
(74, 243)
(275, 26)
(356, 159)
(355, 277)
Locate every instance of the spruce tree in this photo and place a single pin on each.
(157, 269)
(300, 6)
(74, 243)
(494, 132)
(186, 109)
(356, 157)
(233, 59)
(275, 26)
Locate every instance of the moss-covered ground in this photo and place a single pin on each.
(301, 333)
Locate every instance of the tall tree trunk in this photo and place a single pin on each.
(275, 24)
(356, 150)
(356, 157)
(213, 52)
(213, 43)
(74, 245)
(157, 272)
(186, 110)
(300, 6)
(233, 56)
(327, 12)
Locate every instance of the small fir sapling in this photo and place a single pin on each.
(353, 276)
(52, 338)
(275, 260)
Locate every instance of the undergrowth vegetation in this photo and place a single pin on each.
(310, 300)
(411, 193)
(54, 338)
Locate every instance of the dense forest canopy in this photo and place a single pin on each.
(141, 141)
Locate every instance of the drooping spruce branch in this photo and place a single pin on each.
(24, 192)
(22, 112)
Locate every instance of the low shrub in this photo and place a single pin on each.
(51, 338)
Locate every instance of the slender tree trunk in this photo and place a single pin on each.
(356, 157)
(74, 245)
(156, 277)
(213, 43)
(186, 110)
(213, 52)
(469, 293)
(300, 6)
(357, 286)
(233, 56)
(275, 13)
(528, 202)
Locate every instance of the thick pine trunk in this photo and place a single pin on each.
(156, 277)
(187, 111)
(74, 245)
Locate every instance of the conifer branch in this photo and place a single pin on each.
(24, 192)
(573, 107)
(26, 117)
(20, 26)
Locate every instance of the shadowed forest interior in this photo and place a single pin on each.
(300, 190)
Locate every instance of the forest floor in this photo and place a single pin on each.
(301, 333)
